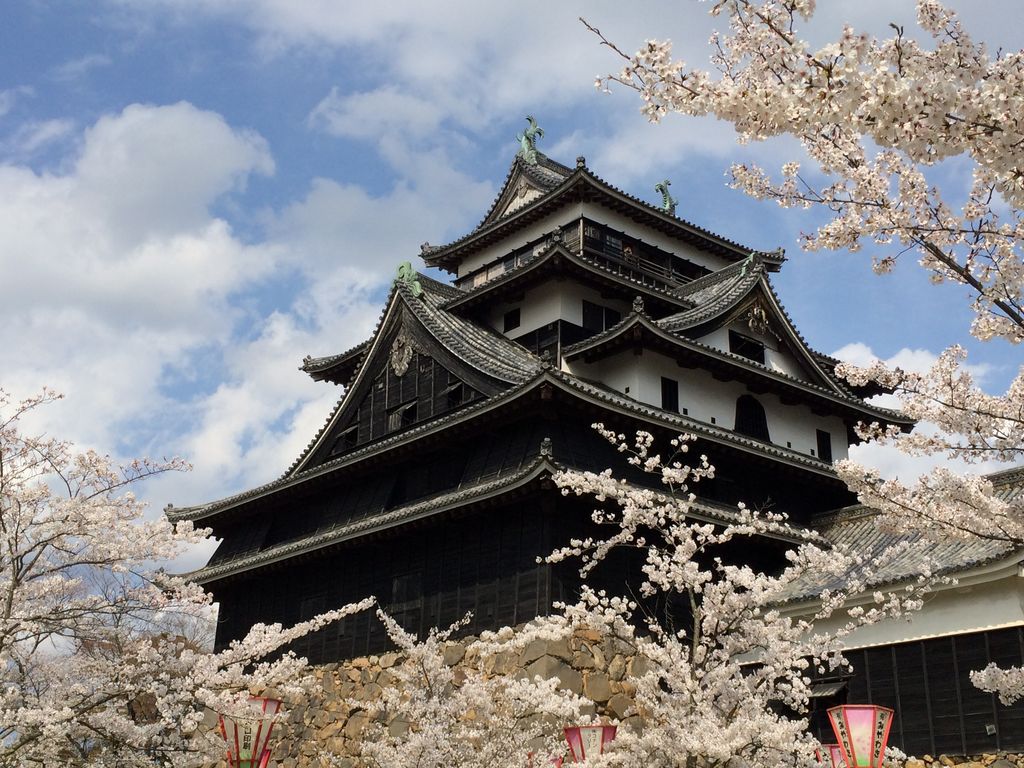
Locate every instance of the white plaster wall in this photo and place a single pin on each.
(714, 402)
(520, 238)
(990, 605)
(602, 215)
(777, 357)
(553, 300)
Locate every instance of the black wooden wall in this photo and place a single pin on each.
(431, 575)
(927, 682)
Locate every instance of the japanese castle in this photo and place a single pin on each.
(572, 303)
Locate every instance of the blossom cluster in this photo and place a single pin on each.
(874, 115)
(103, 656)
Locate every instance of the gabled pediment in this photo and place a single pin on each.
(421, 364)
(405, 384)
(525, 183)
(739, 300)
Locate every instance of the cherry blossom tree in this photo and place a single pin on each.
(432, 714)
(875, 117)
(721, 673)
(96, 669)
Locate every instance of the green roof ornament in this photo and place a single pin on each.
(668, 203)
(407, 276)
(528, 141)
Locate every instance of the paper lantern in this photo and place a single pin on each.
(831, 756)
(863, 732)
(588, 740)
(248, 737)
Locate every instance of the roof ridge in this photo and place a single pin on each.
(518, 163)
(549, 251)
(715, 351)
(397, 514)
(583, 172)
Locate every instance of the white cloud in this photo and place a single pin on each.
(10, 96)
(78, 68)
(30, 137)
(368, 115)
(125, 291)
(913, 360)
(886, 459)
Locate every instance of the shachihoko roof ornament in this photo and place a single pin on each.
(407, 276)
(528, 141)
(668, 203)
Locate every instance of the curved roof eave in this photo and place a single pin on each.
(477, 293)
(564, 381)
(437, 256)
(616, 333)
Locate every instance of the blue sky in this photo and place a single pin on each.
(195, 194)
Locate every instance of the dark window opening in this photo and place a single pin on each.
(744, 346)
(750, 419)
(511, 320)
(405, 587)
(401, 417)
(455, 395)
(597, 318)
(824, 446)
(670, 394)
(346, 441)
(544, 341)
(593, 316)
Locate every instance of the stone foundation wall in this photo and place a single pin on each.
(586, 663)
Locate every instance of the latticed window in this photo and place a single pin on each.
(751, 419)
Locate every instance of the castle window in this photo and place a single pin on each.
(401, 417)
(511, 321)
(455, 395)
(593, 316)
(670, 394)
(750, 419)
(744, 346)
(824, 446)
(597, 318)
(346, 441)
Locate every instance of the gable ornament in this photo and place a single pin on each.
(757, 321)
(401, 353)
(528, 141)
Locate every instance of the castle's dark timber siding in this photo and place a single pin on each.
(927, 682)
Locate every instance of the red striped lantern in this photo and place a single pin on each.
(831, 756)
(863, 732)
(248, 738)
(589, 740)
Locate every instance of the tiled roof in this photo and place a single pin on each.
(476, 344)
(319, 367)
(582, 175)
(1008, 485)
(536, 260)
(546, 174)
(545, 457)
(713, 352)
(716, 293)
(903, 556)
(687, 424)
(201, 511)
(388, 519)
